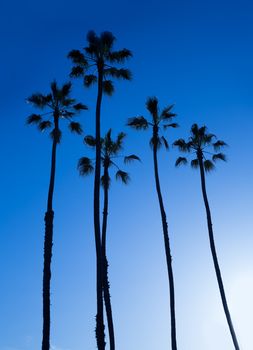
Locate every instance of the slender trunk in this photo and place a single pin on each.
(48, 243)
(100, 335)
(214, 254)
(166, 244)
(106, 284)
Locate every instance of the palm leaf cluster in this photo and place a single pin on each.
(56, 104)
(198, 143)
(99, 56)
(110, 151)
(159, 119)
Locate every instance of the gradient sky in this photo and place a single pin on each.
(196, 54)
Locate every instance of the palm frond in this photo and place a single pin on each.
(115, 147)
(181, 161)
(182, 145)
(45, 124)
(89, 140)
(219, 156)
(120, 137)
(207, 138)
(67, 114)
(89, 80)
(195, 163)
(55, 90)
(138, 123)
(107, 39)
(208, 165)
(76, 72)
(218, 144)
(131, 158)
(119, 56)
(123, 176)
(171, 125)
(67, 102)
(66, 89)
(77, 57)
(167, 113)
(152, 106)
(108, 87)
(56, 135)
(165, 142)
(38, 100)
(195, 129)
(33, 119)
(85, 166)
(118, 73)
(79, 106)
(105, 181)
(75, 127)
(155, 141)
(92, 38)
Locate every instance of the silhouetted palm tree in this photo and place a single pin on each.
(109, 152)
(100, 57)
(197, 143)
(140, 123)
(57, 105)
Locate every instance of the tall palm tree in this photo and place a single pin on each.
(198, 143)
(100, 58)
(109, 152)
(57, 105)
(158, 120)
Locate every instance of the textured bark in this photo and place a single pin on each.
(166, 244)
(49, 216)
(100, 335)
(214, 254)
(48, 243)
(106, 285)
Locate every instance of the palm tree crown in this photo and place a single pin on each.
(198, 143)
(59, 105)
(163, 118)
(109, 152)
(99, 56)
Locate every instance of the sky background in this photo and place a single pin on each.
(196, 54)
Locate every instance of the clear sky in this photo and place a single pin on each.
(196, 54)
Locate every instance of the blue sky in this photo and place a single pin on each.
(196, 54)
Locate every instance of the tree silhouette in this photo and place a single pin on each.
(57, 105)
(110, 150)
(99, 61)
(140, 123)
(198, 143)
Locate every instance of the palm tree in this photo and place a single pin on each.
(140, 123)
(99, 57)
(58, 105)
(197, 143)
(109, 151)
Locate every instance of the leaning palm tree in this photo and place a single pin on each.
(198, 143)
(57, 105)
(109, 152)
(97, 65)
(158, 120)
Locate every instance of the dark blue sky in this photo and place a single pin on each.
(196, 54)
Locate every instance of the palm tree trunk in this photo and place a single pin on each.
(100, 335)
(214, 254)
(106, 284)
(48, 244)
(167, 247)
